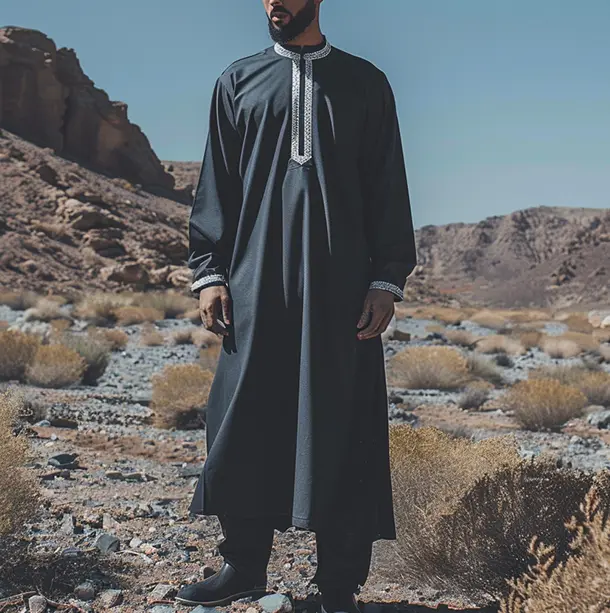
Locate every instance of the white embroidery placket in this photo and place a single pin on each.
(307, 99)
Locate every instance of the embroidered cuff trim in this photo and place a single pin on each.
(205, 280)
(390, 287)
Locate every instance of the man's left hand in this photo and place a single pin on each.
(379, 306)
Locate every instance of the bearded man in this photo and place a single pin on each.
(300, 243)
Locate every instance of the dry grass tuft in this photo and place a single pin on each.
(463, 338)
(171, 304)
(604, 352)
(489, 319)
(601, 335)
(473, 397)
(528, 338)
(183, 337)
(150, 336)
(95, 352)
(560, 348)
(208, 357)
(544, 404)
(466, 510)
(587, 342)
(19, 490)
(579, 584)
(19, 300)
(526, 316)
(180, 391)
(55, 366)
(18, 350)
(47, 310)
(115, 339)
(499, 343)
(429, 367)
(132, 315)
(100, 308)
(484, 368)
(204, 338)
(446, 315)
(576, 322)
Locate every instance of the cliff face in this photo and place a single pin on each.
(46, 98)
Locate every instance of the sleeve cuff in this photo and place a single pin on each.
(389, 287)
(207, 280)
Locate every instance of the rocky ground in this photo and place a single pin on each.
(116, 516)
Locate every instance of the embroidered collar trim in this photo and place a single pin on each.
(293, 55)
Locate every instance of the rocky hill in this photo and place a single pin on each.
(46, 98)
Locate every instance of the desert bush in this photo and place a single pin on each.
(587, 342)
(526, 316)
(503, 360)
(208, 357)
(604, 352)
(55, 366)
(499, 343)
(19, 490)
(576, 322)
(204, 338)
(528, 338)
(47, 310)
(446, 315)
(171, 304)
(131, 315)
(489, 319)
(596, 387)
(568, 374)
(601, 335)
(150, 336)
(19, 300)
(435, 329)
(179, 393)
(466, 510)
(95, 352)
(18, 350)
(463, 338)
(428, 367)
(580, 583)
(484, 368)
(560, 348)
(183, 337)
(100, 308)
(115, 339)
(544, 404)
(473, 397)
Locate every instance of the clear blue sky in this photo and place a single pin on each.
(503, 105)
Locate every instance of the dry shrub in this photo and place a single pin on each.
(183, 337)
(18, 350)
(489, 319)
(587, 342)
(47, 310)
(193, 315)
(446, 315)
(59, 326)
(579, 584)
(55, 366)
(604, 352)
(499, 343)
(94, 351)
(19, 490)
(131, 315)
(435, 329)
(150, 336)
(428, 367)
(528, 338)
(115, 339)
(596, 387)
(601, 335)
(208, 357)
(484, 368)
(466, 510)
(560, 348)
(179, 392)
(19, 300)
(100, 308)
(473, 397)
(576, 322)
(526, 316)
(171, 304)
(594, 384)
(544, 404)
(463, 338)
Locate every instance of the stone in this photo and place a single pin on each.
(162, 591)
(162, 609)
(399, 335)
(37, 604)
(107, 543)
(66, 461)
(67, 524)
(276, 603)
(111, 598)
(132, 273)
(85, 591)
(202, 609)
(599, 419)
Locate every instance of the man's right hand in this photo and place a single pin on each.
(214, 301)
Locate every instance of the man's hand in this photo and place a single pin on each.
(379, 306)
(213, 301)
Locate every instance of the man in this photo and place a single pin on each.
(301, 241)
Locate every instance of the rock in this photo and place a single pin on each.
(71, 552)
(135, 542)
(130, 274)
(108, 543)
(202, 609)
(276, 603)
(85, 591)
(81, 216)
(606, 322)
(61, 422)
(66, 461)
(109, 523)
(111, 598)
(47, 174)
(67, 524)
(162, 592)
(48, 99)
(114, 474)
(599, 419)
(399, 335)
(597, 316)
(162, 609)
(189, 471)
(37, 604)
(388, 333)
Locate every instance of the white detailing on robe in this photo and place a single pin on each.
(200, 283)
(307, 97)
(390, 287)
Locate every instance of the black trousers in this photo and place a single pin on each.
(344, 556)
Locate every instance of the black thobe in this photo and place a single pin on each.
(301, 206)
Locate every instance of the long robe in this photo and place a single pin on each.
(301, 206)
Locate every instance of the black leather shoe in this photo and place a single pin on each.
(222, 588)
(339, 601)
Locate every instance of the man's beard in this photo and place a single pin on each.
(297, 24)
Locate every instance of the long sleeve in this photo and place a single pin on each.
(388, 218)
(215, 211)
